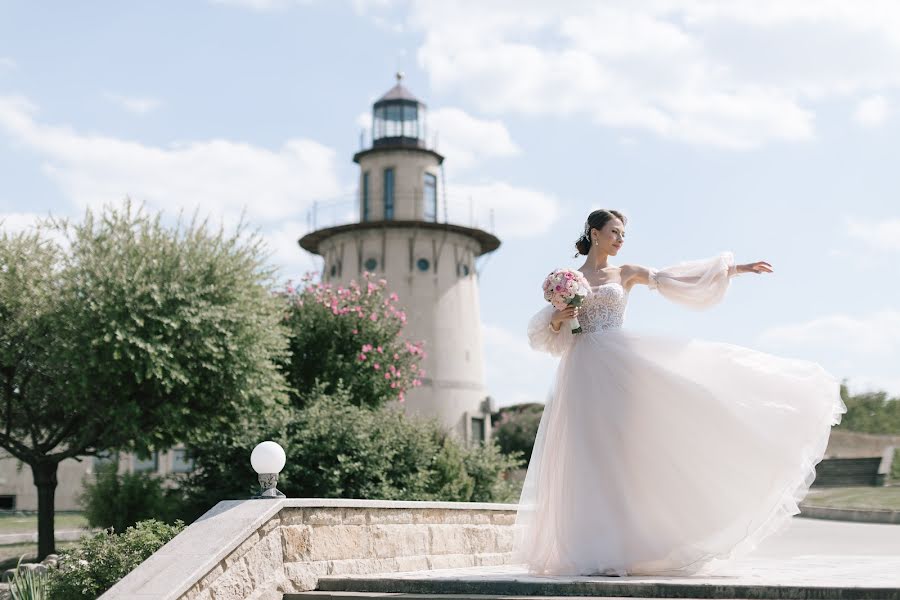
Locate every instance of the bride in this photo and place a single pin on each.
(660, 455)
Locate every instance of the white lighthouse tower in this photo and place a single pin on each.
(429, 263)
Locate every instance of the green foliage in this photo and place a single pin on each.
(516, 428)
(132, 336)
(28, 585)
(337, 449)
(870, 412)
(350, 335)
(118, 501)
(895, 466)
(98, 562)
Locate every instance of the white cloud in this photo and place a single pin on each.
(466, 140)
(729, 74)
(517, 212)
(218, 178)
(863, 348)
(875, 334)
(133, 104)
(871, 111)
(15, 222)
(880, 235)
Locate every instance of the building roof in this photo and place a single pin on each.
(398, 92)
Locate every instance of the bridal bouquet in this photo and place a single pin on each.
(565, 287)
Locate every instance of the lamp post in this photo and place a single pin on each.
(268, 460)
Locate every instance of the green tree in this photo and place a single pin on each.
(870, 412)
(120, 333)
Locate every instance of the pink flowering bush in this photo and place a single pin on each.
(350, 334)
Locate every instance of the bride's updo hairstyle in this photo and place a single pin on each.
(596, 220)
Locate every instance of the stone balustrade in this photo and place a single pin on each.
(261, 549)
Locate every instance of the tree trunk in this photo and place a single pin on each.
(45, 480)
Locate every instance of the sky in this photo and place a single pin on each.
(767, 128)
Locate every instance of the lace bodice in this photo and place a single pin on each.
(603, 308)
(696, 284)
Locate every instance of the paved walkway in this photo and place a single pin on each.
(838, 559)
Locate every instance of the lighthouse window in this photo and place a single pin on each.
(388, 194)
(365, 196)
(333, 270)
(462, 269)
(430, 197)
(371, 263)
(423, 264)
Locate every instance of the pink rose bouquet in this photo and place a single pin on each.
(566, 287)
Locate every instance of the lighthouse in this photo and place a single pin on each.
(428, 262)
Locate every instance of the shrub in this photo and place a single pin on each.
(98, 562)
(115, 501)
(337, 449)
(516, 428)
(350, 335)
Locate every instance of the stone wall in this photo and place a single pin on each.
(287, 545)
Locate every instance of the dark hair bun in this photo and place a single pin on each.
(596, 220)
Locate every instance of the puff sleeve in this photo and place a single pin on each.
(696, 284)
(541, 338)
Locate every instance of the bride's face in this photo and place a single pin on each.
(610, 238)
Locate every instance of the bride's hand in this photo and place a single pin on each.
(569, 312)
(756, 267)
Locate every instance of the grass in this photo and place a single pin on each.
(856, 497)
(27, 523)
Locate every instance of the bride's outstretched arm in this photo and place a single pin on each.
(698, 283)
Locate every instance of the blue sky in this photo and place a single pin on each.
(765, 128)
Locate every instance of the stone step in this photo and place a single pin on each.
(387, 596)
(348, 588)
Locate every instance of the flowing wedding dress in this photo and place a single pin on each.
(659, 455)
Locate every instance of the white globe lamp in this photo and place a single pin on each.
(268, 460)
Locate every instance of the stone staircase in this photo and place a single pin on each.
(848, 471)
(384, 586)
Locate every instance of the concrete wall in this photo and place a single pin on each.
(261, 549)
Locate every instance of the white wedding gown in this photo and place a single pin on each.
(658, 455)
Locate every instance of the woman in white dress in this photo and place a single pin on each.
(659, 455)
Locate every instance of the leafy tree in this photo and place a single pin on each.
(870, 412)
(120, 333)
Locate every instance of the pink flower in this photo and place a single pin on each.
(362, 356)
(380, 350)
(387, 375)
(373, 317)
(376, 366)
(393, 384)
